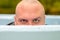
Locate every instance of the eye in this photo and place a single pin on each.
(36, 20)
(23, 20)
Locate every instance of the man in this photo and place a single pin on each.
(29, 12)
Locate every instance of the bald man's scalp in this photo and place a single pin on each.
(29, 5)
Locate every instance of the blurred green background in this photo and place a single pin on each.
(52, 7)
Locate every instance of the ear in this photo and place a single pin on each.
(44, 18)
(14, 19)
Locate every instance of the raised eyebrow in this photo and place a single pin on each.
(37, 18)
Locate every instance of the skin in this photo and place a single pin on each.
(29, 13)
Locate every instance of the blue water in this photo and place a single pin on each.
(48, 20)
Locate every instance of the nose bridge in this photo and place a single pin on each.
(30, 23)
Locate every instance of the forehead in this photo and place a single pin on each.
(29, 11)
(29, 16)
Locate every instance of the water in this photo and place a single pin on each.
(50, 19)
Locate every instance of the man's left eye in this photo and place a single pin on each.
(36, 20)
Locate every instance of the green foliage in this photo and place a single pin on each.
(51, 6)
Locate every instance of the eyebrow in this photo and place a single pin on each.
(26, 19)
(22, 19)
(37, 18)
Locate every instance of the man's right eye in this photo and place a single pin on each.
(23, 20)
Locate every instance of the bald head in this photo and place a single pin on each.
(29, 5)
(29, 10)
